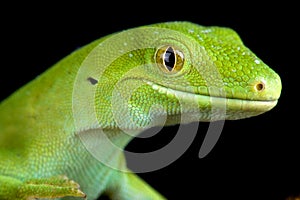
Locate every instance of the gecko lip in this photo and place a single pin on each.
(233, 104)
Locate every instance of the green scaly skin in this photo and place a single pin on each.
(41, 150)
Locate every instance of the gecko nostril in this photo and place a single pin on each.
(260, 86)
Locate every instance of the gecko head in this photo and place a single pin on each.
(203, 73)
(211, 68)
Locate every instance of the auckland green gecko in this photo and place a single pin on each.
(114, 88)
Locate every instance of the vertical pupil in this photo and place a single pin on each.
(169, 58)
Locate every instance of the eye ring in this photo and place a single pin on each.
(169, 59)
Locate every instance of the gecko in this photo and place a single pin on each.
(62, 134)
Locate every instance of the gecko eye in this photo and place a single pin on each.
(169, 59)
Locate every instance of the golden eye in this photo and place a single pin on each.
(169, 59)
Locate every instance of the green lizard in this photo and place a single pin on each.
(114, 88)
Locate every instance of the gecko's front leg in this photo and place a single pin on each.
(53, 187)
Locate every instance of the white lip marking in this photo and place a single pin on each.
(218, 102)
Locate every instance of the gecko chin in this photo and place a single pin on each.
(241, 108)
(218, 108)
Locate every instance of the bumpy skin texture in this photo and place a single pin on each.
(42, 154)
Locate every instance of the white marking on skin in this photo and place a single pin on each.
(199, 37)
(191, 30)
(206, 31)
(257, 61)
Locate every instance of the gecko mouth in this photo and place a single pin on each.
(235, 108)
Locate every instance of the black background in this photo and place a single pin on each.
(255, 158)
